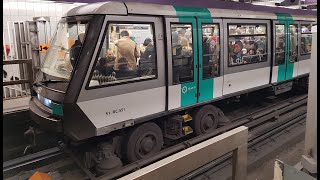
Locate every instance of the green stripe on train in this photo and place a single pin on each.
(188, 90)
(285, 71)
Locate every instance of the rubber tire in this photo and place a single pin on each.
(134, 136)
(200, 114)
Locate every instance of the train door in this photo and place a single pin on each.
(210, 60)
(285, 52)
(182, 62)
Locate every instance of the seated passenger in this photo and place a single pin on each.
(127, 50)
(106, 64)
(123, 71)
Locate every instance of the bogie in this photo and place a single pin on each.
(143, 141)
(206, 119)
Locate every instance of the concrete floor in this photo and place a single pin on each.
(291, 156)
(16, 104)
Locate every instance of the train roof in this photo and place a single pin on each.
(217, 9)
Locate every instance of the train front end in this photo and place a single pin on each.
(57, 81)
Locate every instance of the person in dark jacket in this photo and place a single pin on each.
(75, 49)
(143, 46)
(147, 61)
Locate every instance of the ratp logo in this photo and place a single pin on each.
(184, 89)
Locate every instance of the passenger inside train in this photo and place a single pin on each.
(247, 44)
(182, 53)
(211, 50)
(128, 53)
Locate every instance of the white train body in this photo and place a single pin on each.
(85, 107)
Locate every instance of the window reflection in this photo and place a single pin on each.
(211, 50)
(280, 44)
(182, 53)
(306, 39)
(247, 44)
(127, 54)
(293, 43)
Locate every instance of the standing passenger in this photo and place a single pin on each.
(144, 45)
(127, 50)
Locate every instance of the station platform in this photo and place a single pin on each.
(15, 105)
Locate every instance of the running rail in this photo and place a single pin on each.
(177, 165)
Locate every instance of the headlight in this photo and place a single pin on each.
(56, 108)
(45, 101)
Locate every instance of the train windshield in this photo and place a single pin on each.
(63, 52)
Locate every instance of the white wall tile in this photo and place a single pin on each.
(45, 9)
(21, 5)
(15, 18)
(6, 11)
(5, 20)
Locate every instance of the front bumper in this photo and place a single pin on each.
(40, 115)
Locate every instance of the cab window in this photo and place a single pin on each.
(211, 50)
(128, 54)
(306, 39)
(182, 53)
(247, 43)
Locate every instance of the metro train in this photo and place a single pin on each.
(148, 73)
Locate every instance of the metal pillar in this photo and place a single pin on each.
(309, 159)
(22, 51)
(34, 45)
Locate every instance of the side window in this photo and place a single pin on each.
(280, 44)
(293, 43)
(211, 50)
(247, 43)
(128, 54)
(306, 39)
(182, 53)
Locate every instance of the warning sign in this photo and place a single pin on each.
(44, 48)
